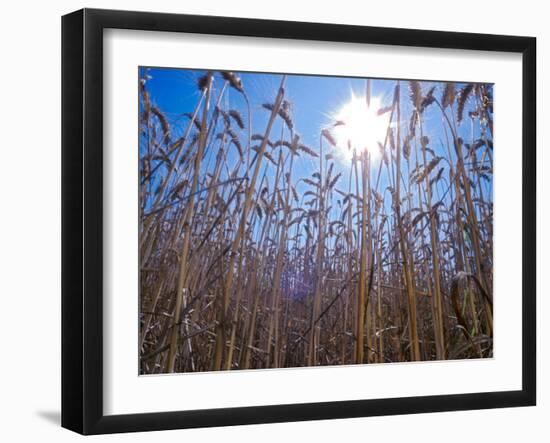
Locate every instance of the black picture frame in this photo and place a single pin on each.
(82, 218)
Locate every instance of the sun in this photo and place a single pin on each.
(359, 127)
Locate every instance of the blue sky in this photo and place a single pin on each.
(313, 98)
(314, 102)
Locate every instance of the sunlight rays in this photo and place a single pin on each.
(358, 127)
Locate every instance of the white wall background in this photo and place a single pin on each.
(30, 219)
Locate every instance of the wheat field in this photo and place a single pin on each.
(279, 231)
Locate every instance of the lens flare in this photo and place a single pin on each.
(360, 128)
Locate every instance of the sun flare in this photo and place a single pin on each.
(359, 127)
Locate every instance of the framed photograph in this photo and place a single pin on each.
(270, 221)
